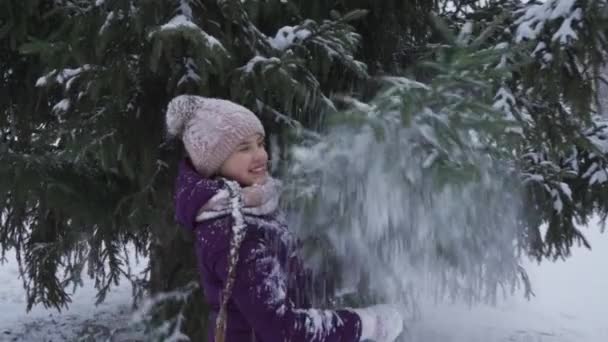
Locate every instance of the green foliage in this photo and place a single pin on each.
(85, 168)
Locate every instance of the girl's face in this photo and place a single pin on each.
(248, 163)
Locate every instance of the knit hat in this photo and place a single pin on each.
(210, 129)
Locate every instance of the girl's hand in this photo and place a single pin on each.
(258, 194)
(380, 323)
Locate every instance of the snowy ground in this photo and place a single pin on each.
(83, 321)
(571, 305)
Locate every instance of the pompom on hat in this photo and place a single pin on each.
(211, 129)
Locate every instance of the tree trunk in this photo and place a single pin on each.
(172, 260)
(173, 266)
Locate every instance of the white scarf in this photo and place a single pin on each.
(258, 200)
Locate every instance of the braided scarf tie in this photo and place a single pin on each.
(238, 233)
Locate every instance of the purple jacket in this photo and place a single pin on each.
(269, 301)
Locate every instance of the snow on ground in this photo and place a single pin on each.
(571, 305)
(83, 321)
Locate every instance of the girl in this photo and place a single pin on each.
(252, 276)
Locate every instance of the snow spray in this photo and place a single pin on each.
(390, 224)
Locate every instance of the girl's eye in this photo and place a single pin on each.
(244, 148)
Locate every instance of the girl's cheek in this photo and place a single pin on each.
(248, 160)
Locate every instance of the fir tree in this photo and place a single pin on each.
(85, 168)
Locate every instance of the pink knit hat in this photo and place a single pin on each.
(210, 129)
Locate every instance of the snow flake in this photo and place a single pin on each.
(503, 101)
(62, 106)
(179, 21)
(109, 18)
(259, 59)
(274, 284)
(558, 205)
(562, 7)
(565, 188)
(539, 47)
(44, 80)
(527, 177)
(429, 134)
(191, 73)
(356, 104)
(566, 33)
(501, 46)
(287, 36)
(66, 75)
(599, 177)
(182, 22)
(535, 17)
(185, 9)
(430, 159)
(405, 83)
(465, 33)
(600, 143)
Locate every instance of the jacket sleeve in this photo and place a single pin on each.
(259, 293)
(192, 191)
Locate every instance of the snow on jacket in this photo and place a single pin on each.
(269, 301)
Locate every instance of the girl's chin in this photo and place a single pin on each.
(259, 178)
(252, 179)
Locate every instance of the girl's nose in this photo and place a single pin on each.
(261, 155)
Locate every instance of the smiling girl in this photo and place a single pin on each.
(249, 264)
